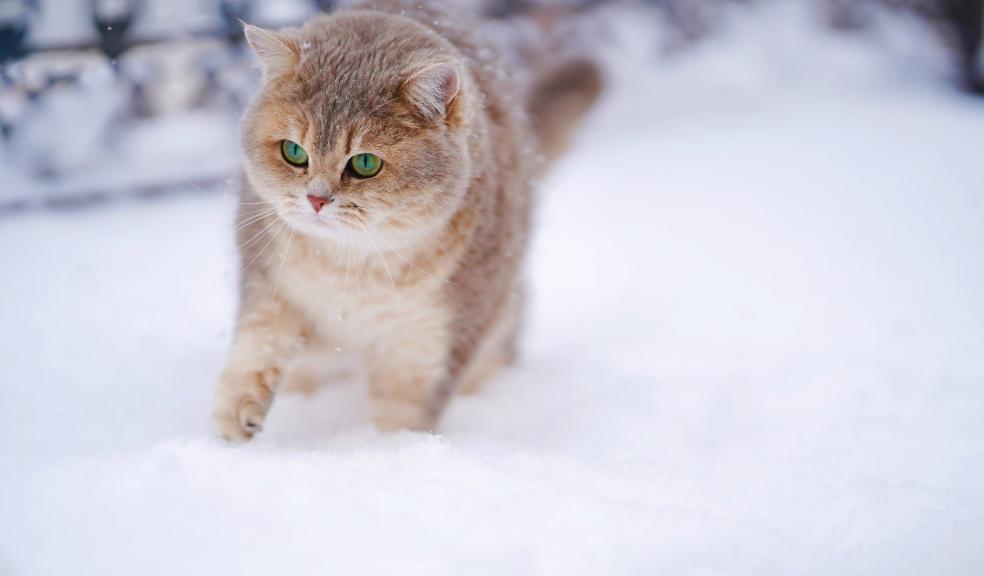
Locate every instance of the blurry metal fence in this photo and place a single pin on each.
(84, 84)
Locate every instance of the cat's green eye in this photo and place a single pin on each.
(293, 153)
(366, 165)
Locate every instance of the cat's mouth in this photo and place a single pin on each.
(335, 220)
(352, 211)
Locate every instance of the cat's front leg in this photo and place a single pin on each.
(408, 374)
(268, 336)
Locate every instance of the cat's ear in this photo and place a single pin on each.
(433, 89)
(278, 52)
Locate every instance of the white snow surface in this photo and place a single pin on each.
(755, 346)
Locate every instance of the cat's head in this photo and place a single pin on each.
(359, 133)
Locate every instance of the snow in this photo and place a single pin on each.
(755, 346)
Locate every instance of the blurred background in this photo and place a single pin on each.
(755, 334)
(98, 98)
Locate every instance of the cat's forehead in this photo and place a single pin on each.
(341, 83)
(347, 83)
(362, 54)
(340, 121)
(334, 115)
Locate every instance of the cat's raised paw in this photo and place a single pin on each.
(240, 422)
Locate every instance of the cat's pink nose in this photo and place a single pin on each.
(317, 202)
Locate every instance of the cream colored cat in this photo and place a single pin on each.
(385, 210)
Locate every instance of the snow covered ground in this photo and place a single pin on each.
(756, 346)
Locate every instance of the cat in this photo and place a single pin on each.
(389, 161)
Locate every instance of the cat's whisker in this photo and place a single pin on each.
(273, 237)
(410, 262)
(383, 259)
(341, 313)
(248, 218)
(257, 222)
(261, 210)
(283, 260)
(256, 217)
(403, 238)
(338, 268)
(242, 225)
(259, 234)
(348, 270)
(358, 281)
(198, 188)
(255, 206)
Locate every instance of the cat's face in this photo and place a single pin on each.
(356, 136)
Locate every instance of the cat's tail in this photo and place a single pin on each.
(560, 96)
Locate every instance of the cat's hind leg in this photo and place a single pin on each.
(497, 350)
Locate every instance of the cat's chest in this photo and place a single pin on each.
(343, 299)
